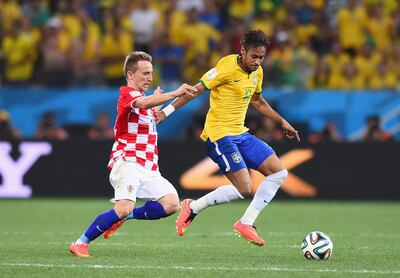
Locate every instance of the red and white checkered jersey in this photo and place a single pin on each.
(135, 132)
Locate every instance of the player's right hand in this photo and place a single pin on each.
(160, 117)
(289, 131)
(187, 90)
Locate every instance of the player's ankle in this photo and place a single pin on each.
(79, 242)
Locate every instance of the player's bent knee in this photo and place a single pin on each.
(245, 190)
(172, 207)
(282, 175)
(122, 212)
(123, 208)
(170, 203)
(278, 177)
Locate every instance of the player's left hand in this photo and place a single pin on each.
(158, 91)
(187, 91)
(160, 116)
(289, 131)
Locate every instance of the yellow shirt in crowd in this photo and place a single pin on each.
(350, 25)
(9, 11)
(115, 47)
(342, 82)
(336, 64)
(380, 30)
(240, 9)
(367, 66)
(197, 37)
(19, 56)
(386, 81)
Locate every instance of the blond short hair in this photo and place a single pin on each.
(131, 61)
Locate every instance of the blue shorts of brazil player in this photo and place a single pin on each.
(233, 153)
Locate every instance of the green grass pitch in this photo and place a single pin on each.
(35, 235)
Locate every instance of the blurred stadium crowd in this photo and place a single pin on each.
(333, 44)
(329, 44)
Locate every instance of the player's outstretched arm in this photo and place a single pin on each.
(262, 106)
(159, 99)
(179, 102)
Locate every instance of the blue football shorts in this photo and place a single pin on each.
(233, 153)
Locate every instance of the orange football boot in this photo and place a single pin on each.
(107, 234)
(185, 217)
(79, 250)
(248, 232)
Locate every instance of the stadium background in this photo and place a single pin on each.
(333, 70)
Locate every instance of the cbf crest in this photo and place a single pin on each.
(236, 157)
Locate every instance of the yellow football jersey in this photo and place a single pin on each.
(231, 91)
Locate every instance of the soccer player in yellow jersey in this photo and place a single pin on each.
(235, 82)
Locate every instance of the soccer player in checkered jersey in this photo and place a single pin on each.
(134, 156)
(235, 82)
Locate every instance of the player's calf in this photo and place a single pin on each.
(170, 203)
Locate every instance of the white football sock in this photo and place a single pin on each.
(79, 241)
(222, 194)
(264, 194)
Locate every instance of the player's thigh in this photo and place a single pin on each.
(125, 179)
(271, 165)
(226, 154)
(241, 180)
(154, 187)
(255, 151)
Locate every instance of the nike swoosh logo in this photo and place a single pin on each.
(253, 232)
(236, 80)
(97, 227)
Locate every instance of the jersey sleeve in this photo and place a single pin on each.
(259, 82)
(130, 98)
(215, 76)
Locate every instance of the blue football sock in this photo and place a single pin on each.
(101, 224)
(151, 210)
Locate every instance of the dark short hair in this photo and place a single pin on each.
(253, 39)
(131, 61)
